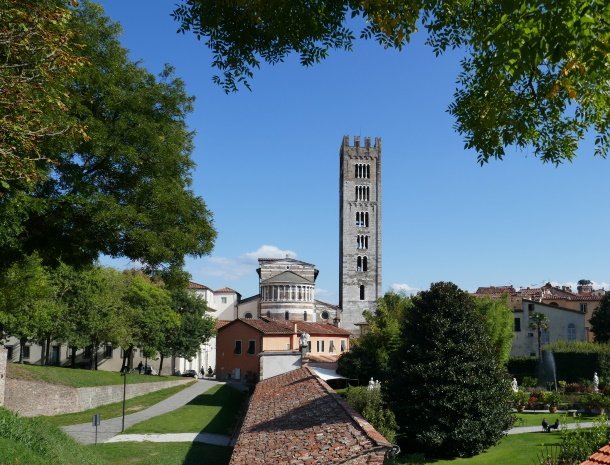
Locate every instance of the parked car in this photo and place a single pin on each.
(190, 373)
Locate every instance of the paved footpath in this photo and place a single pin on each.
(538, 429)
(85, 432)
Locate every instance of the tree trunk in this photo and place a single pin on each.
(160, 365)
(95, 357)
(22, 342)
(73, 357)
(43, 348)
(48, 349)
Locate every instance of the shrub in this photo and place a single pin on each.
(369, 403)
(529, 381)
(520, 399)
(449, 392)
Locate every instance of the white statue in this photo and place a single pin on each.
(595, 382)
(304, 339)
(371, 385)
(513, 385)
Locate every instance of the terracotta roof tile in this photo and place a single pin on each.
(226, 290)
(221, 323)
(193, 285)
(268, 326)
(602, 456)
(296, 418)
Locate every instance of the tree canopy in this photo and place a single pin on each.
(498, 319)
(600, 320)
(124, 190)
(534, 74)
(449, 391)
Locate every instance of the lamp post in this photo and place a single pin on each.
(124, 374)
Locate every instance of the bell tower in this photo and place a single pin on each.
(359, 229)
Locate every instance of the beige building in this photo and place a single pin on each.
(565, 324)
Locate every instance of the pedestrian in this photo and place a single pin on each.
(202, 371)
(140, 367)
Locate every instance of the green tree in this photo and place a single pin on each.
(125, 190)
(539, 322)
(371, 353)
(38, 61)
(600, 320)
(370, 404)
(449, 392)
(196, 327)
(26, 302)
(534, 74)
(499, 323)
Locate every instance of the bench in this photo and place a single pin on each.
(572, 413)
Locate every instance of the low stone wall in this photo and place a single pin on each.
(32, 398)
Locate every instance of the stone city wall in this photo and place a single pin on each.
(3, 353)
(32, 398)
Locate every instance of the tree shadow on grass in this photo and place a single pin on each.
(207, 454)
(230, 401)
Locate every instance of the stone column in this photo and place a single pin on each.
(3, 354)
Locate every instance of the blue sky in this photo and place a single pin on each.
(268, 167)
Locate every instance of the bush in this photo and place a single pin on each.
(449, 392)
(522, 367)
(578, 444)
(369, 403)
(520, 399)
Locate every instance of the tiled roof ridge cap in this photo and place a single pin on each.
(364, 425)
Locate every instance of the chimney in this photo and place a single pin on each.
(294, 325)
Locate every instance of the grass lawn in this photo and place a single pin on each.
(214, 411)
(107, 411)
(151, 453)
(517, 449)
(75, 377)
(535, 419)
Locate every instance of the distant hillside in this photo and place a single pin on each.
(33, 441)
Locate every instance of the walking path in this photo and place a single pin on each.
(85, 432)
(206, 438)
(538, 429)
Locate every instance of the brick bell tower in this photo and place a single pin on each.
(359, 229)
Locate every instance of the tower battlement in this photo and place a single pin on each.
(357, 144)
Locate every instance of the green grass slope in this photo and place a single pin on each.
(33, 441)
(75, 377)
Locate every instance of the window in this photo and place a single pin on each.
(517, 324)
(359, 264)
(531, 307)
(248, 316)
(366, 220)
(361, 292)
(583, 308)
(26, 351)
(251, 347)
(342, 345)
(364, 265)
(286, 316)
(320, 346)
(223, 300)
(331, 346)
(305, 316)
(108, 351)
(325, 315)
(308, 346)
(237, 349)
(572, 332)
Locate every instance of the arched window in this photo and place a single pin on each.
(366, 220)
(286, 315)
(357, 219)
(571, 332)
(364, 265)
(359, 264)
(304, 316)
(248, 316)
(368, 171)
(366, 242)
(361, 292)
(367, 193)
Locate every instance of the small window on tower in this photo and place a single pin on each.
(361, 292)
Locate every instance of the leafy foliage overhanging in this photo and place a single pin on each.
(534, 74)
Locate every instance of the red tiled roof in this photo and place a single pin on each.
(221, 323)
(193, 285)
(323, 358)
(601, 457)
(494, 290)
(296, 418)
(267, 326)
(225, 290)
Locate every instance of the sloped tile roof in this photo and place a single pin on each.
(226, 290)
(296, 418)
(495, 290)
(601, 457)
(270, 327)
(221, 323)
(193, 285)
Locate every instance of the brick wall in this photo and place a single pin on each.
(3, 353)
(31, 398)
